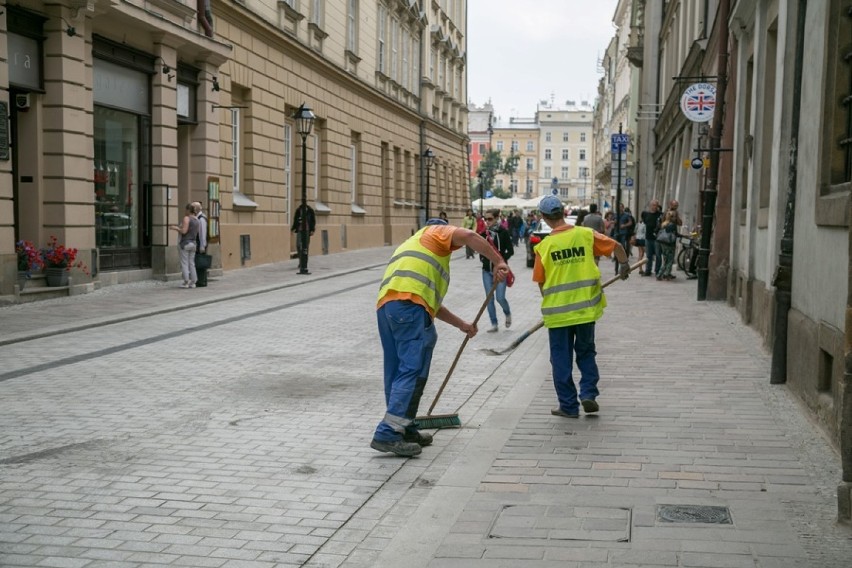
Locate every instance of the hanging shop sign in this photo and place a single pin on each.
(698, 102)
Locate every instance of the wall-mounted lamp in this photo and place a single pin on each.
(69, 29)
(166, 69)
(216, 85)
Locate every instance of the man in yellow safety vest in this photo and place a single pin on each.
(571, 302)
(410, 299)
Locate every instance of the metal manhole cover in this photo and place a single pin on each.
(694, 514)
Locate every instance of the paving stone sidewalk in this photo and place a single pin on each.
(689, 430)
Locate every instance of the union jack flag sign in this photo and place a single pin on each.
(698, 102)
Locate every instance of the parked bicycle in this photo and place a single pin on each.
(687, 258)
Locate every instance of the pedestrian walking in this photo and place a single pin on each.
(572, 300)
(410, 299)
(502, 242)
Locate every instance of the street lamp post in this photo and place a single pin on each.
(428, 160)
(304, 122)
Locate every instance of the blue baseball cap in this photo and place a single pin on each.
(436, 221)
(550, 205)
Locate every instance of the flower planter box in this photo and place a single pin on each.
(56, 276)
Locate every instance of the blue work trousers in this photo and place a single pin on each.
(408, 338)
(566, 343)
(499, 294)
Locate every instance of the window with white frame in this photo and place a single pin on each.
(316, 156)
(530, 146)
(547, 136)
(547, 154)
(547, 172)
(316, 12)
(394, 71)
(563, 174)
(499, 145)
(406, 41)
(235, 147)
(352, 26)
(582, 154)
(529, 163)
(565, 137)
(433, 63)
(288, 167)
(381, 32)
(565, 153)
(482, 149)
(513, 186)
(582, 137)
(529, 186)
(353, 169)
(415, 64)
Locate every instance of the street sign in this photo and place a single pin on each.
(697, 163)
(489, 194)
(621, 139)
(554, 191)
(698, 102)
(628, 182)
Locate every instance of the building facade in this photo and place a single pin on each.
(566, 151)
(198, 106)
(775, 199)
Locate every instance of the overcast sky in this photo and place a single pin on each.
(522, 52)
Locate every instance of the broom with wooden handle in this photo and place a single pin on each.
(437, 421)
(540, 324)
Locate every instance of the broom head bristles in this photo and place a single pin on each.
(437, 421)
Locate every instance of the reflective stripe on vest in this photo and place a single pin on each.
(417, 270)
(571, 293)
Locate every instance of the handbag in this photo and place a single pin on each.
(667, 237)
(510, 278)
(203, 261)
(640, 231)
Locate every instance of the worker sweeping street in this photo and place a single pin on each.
(410, 299)
(571, 302)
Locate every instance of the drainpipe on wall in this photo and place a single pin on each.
(205, 16)
(421, 211)
(783, 280)
(712, 181)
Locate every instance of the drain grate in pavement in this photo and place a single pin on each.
(562, 522)
(707, 514)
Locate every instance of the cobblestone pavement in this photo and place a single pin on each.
(230, 427)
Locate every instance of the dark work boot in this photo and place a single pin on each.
(418, 437)
(398, 447)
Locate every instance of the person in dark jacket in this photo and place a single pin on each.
(297, 225)
(501, 240)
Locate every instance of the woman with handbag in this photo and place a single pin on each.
(667, 239)
(188, 231)
(502, 242)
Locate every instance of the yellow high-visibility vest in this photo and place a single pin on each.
(571, 293)
(417, 270)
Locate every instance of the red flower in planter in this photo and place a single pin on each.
(56, 255)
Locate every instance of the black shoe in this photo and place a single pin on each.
(398, 447)
(417, 437)
(562, 413)
(590, 406)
